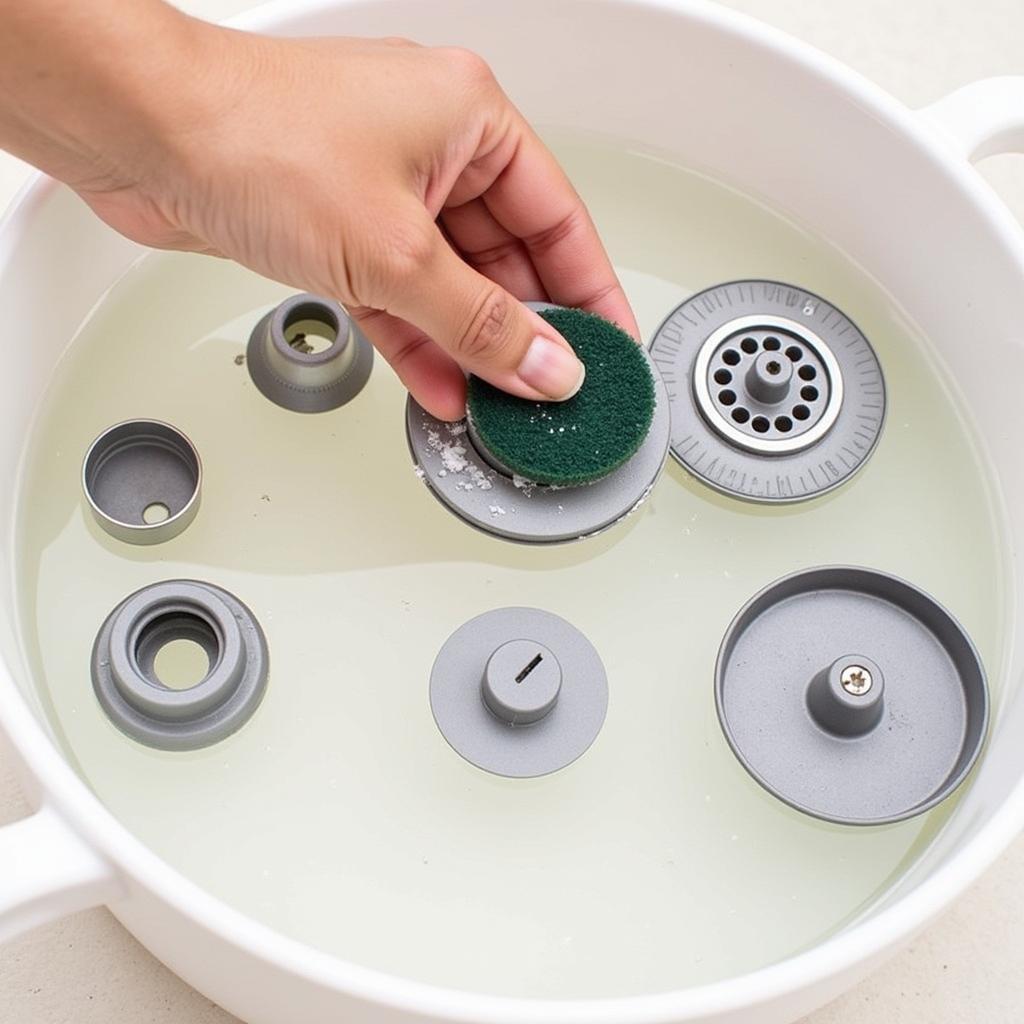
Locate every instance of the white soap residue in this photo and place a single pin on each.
(455, 459)
(526, 486)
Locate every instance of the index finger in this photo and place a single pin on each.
(534, 200)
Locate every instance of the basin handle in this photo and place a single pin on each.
(47, 871)
(982, 119)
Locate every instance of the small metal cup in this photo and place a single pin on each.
(142, 480)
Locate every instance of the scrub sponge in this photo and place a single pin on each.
(588, 436)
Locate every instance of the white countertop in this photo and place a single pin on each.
(969, 965)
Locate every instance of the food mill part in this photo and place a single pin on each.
(288, 371)
(518, 692)
(584, 438)
(126, 682)
(492, 499)
(846, 697)
(776, 395)
(142, 480)
(851, 695)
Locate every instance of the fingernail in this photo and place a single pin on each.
(551, 369)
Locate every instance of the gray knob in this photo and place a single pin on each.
(521, 682)
(769, 377)
(847, 697)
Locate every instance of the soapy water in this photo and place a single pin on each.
(339, 814)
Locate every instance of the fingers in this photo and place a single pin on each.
(480, 325)
(431, 375)
(492, 250)
(533, 200)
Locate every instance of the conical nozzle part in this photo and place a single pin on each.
(290, 371)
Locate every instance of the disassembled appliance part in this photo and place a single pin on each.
(126, 679)
(776, 395)
(307, 355)
(142, 480)
(580, 440)
(518, 692)
(621, 412)
(851, 695)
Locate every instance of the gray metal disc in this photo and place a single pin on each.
(802, 702)
(518, 692)
(730, 430)
(511, 507)
(132, 695)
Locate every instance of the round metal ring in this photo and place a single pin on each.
(766, 446)
(127, 685)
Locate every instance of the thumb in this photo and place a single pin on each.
(484, 328)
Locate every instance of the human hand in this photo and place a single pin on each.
(396, 178)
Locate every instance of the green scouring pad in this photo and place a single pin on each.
(588, 436)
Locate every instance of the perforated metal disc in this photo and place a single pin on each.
(776, 396)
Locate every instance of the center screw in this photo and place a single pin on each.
(856, 680)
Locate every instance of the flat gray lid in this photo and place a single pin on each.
(851, 695)
(519, 692)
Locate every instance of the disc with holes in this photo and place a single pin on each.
(776, 395)
(851, 695)
(484, 494)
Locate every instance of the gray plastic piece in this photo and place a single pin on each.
(132, 695)
(847, 698)
(508, 668)
(518, 692)
(308, 381)
(769, 437)
(803, 703)
(769, 378)
(475, 487)
(137, 468)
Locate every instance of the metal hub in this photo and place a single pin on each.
(776, 396)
